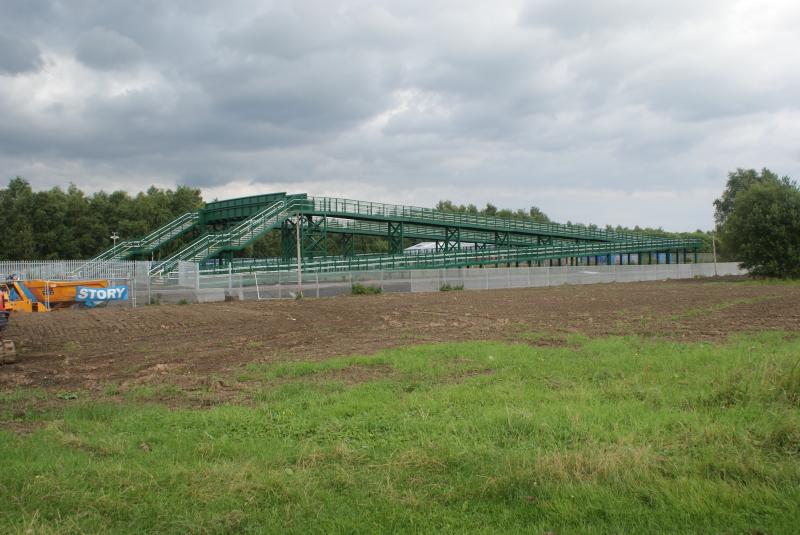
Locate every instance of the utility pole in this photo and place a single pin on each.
(714, 251)
(299, 258)
(114, 237)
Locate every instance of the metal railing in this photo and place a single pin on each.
(437, 259)
(158, 237)
(345, 207)
(429, 233)
(239, 236)
(169, 231)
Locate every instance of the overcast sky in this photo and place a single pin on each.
(609, 112)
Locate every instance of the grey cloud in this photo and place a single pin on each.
(446, 98)
(575, 18)
(281, 33)
(18, 56)
(106, 49)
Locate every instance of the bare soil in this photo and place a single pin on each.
(197, 344)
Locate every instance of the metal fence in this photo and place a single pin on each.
(189, 284)
(192, 285)
(120, 273)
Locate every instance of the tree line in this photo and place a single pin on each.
(69, 224)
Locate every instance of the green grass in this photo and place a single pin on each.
(615, 435)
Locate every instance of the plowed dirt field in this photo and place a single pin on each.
(189, 344)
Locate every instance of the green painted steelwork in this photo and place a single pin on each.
(561, 254)
(230, 225)
(348, 244)
(150, 243)
(314, 236)
(237, 210)
(395, 237)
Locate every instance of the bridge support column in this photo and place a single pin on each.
(452, 239)
(314, 236)
(348, 244)
(501, 240)
(288, 246)
(395, 237)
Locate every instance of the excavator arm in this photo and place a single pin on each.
(8, 353)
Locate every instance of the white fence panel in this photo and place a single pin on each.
(190, 284)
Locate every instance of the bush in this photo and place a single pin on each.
(447, 287)
(360, 289)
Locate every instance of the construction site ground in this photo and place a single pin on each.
(206, 347)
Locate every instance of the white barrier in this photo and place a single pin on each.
(282, 285)
(189, 284)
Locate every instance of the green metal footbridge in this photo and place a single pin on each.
(324, 224)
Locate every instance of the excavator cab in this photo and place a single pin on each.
(19, 298)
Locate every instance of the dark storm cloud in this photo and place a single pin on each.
(570, 105)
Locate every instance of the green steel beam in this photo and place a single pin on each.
(288, 239)
(395, 237)
(348, 245)
(314, 236)
(452, 239)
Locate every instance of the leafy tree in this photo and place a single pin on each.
(763, 228)
(17, 229)
(58, 224)
(739, 181)
(533, 214)
(537, 215)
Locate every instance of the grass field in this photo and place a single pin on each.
(610, 435)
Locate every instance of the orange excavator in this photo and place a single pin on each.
(42, 296)
(8, 352)
(38, 295)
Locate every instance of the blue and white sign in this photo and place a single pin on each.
(91, 297)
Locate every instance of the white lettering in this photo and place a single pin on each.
(84, 293)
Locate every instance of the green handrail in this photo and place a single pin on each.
(433, 259)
